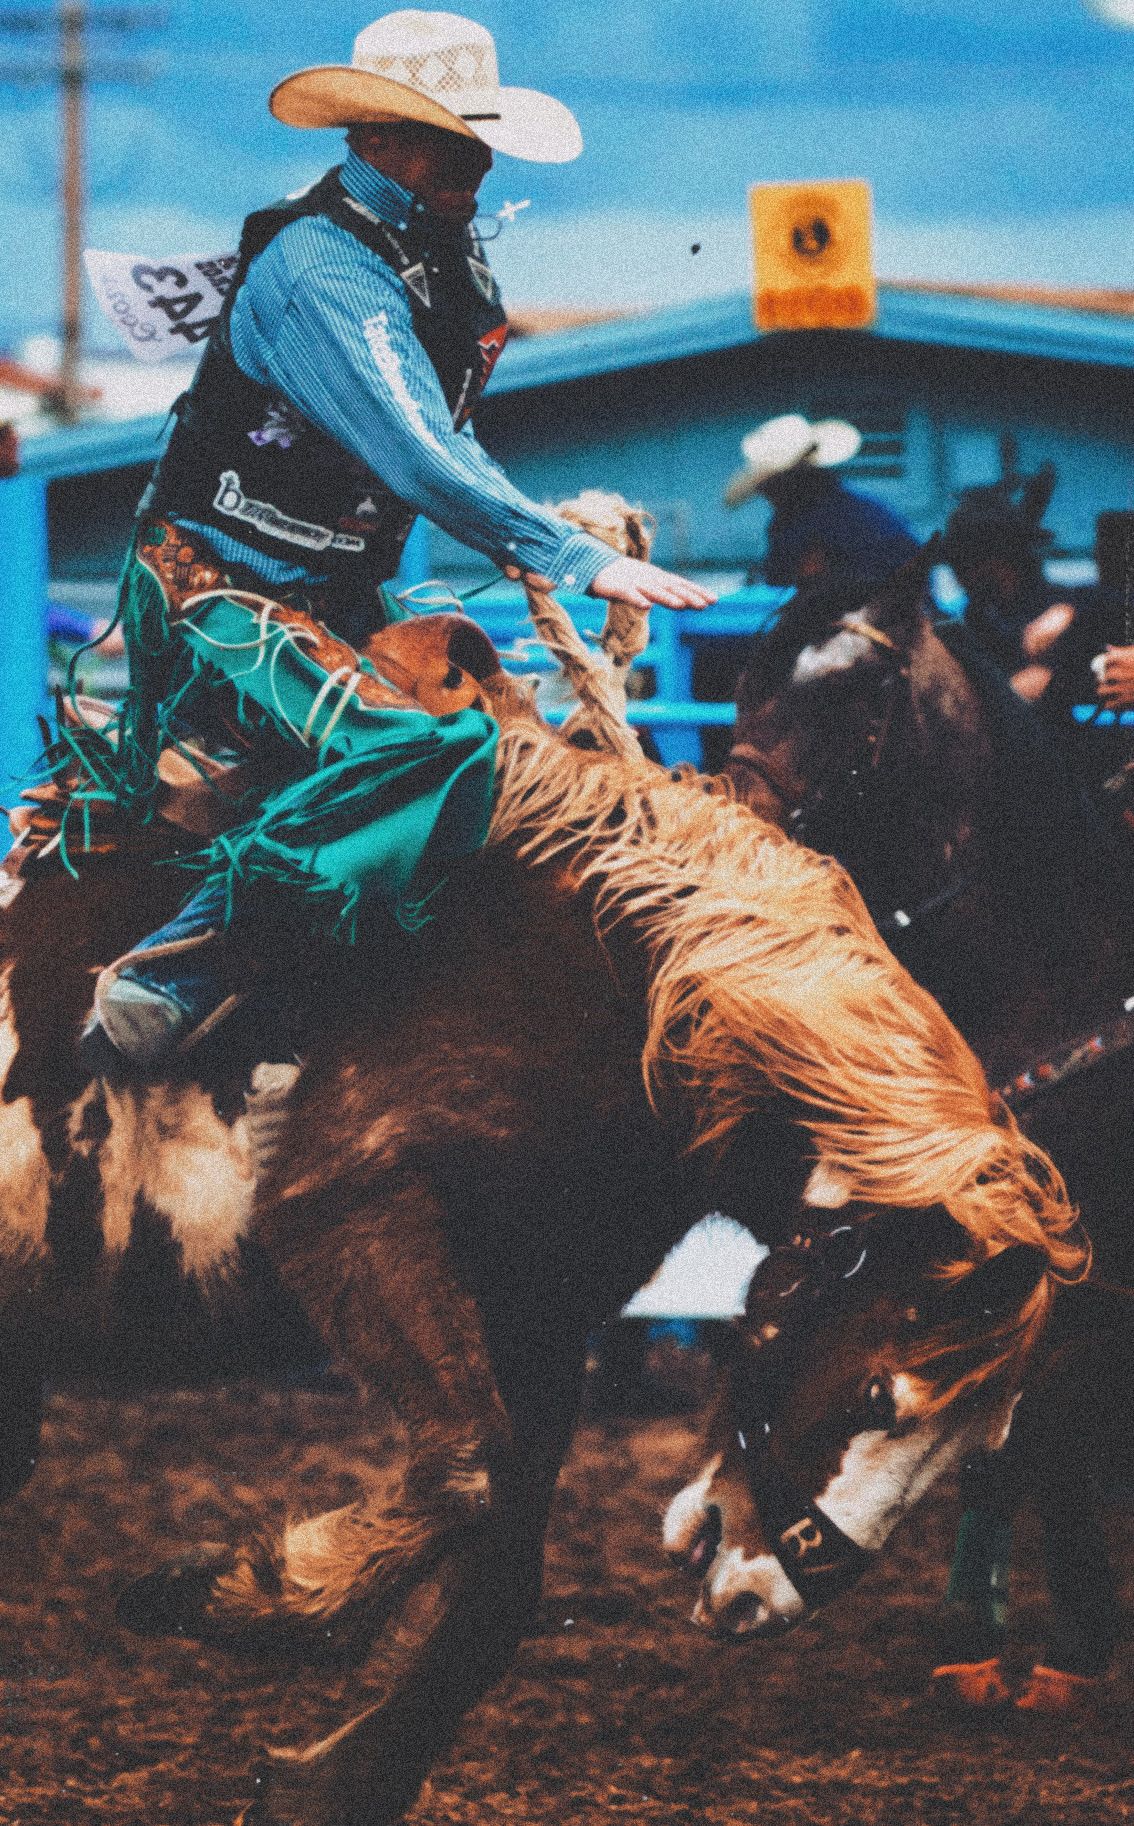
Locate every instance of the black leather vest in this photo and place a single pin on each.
(243, 460)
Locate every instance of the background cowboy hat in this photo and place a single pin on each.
(790, 442)
(432, 67)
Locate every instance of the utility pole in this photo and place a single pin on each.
(69, 64)
(72, 77)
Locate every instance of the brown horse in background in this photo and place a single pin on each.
(638, 1003)
(877, 731)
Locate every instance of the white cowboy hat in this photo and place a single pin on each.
(432, 67)
(790, 442)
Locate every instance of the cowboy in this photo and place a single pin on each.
(821, 531)
(331, 407)
(994, 544)
(1112, 667)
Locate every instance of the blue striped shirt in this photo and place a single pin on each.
(328, 324)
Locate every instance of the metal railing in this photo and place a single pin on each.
(673, 715)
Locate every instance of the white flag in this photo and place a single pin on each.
(160, 308)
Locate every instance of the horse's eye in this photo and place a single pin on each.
(880, 1405)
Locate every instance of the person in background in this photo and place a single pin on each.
(821, 531)
(72, 628)
(1112, 665)
(1108, 670)
(1115, 678)
(995, 542)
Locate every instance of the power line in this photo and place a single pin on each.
(62, 35)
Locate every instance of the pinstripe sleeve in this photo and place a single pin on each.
(330, 325)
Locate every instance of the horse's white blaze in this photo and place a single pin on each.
(761, 1580)
(27, 1178)
(843, 650)
(168, 1146)
(881, 1477)
(685, 1516)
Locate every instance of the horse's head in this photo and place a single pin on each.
(874, 1354)
(860, 734)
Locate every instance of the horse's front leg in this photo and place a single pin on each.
(382, 1290)
(25, 1350)
(21, 1418)
(455, 1633)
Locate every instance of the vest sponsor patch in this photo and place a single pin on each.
(279, 427)
(161, 309)
(236, 505)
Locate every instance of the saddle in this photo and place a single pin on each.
(440, 663)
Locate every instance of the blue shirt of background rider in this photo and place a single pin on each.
(823, 531)
(299, 326)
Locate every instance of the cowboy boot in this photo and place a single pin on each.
(170, 990)
(1050, 1692)
(973, 1624)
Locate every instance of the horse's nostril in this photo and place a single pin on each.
(698, 1557)
(744, 1612)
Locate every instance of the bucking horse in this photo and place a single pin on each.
(639, 1002)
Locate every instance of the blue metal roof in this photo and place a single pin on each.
(995, 326)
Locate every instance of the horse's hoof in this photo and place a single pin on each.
(173, 1600)
(274, 1805)
(971, 1685)
(1049, 1692)
(257, 1813)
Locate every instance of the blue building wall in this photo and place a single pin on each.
(668, 434)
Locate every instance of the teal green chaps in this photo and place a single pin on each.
(385, 799)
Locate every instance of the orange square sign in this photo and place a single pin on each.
(812, 246)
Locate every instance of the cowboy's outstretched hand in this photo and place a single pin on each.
(1116, 678)
(632, 580)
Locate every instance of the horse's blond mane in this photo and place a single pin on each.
(766, 974)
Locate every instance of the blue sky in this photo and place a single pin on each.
(999, 139)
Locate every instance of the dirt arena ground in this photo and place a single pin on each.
(617, 1710)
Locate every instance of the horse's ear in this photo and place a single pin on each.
(1038, 490)
(993, 1290)
(827, 1189)
(897, 606)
